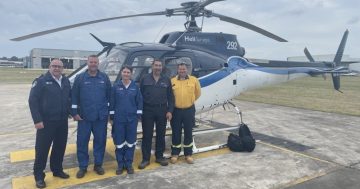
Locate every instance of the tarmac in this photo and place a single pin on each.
(296, 149)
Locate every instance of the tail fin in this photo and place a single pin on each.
(340, 51)
(337, 61)
(107, 46)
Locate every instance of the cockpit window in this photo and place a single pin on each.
(171, 64)
(112, 63)
(141, 66)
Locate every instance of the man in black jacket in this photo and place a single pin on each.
(49, 103)
(158, 107)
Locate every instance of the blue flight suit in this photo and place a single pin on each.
(90, 99)
(126, 106)
(50, 103)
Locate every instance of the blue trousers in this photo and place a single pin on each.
(124, 136)
(99, 129)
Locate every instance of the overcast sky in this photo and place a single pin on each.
(317, 24)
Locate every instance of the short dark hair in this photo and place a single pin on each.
(92, 56)
(156, 60)
(126, 67)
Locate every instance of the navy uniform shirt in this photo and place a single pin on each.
(49, 101)
(157, 93)
(125, 103)
(91, 96)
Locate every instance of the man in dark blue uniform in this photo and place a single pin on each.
(158, 106)
(90, 107)
(49, 103)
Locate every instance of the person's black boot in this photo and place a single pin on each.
(40, 184)
(143, 164)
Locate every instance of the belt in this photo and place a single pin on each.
(156, 105)
(192, 106)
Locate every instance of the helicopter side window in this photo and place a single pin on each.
(112, 63)
(171, 64)
(141, 66)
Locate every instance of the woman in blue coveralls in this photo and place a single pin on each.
(125, 109)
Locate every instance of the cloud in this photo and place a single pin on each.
(318, 24)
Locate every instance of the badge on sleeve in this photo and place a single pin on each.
(34, 83)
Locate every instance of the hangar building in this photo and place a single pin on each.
(72, 59)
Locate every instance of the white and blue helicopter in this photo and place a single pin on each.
(216, 59)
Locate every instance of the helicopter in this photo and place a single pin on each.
(216, 59)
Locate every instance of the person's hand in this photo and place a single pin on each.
(169, 116)
(77, 117)
(39, 125)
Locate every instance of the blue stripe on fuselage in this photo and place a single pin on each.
(221, 74)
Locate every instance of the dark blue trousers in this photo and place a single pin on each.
(124, 136)
(99, 130)
(183, 119)
(153, 116)
(54, 132)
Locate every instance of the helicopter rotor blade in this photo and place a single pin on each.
(208, 2)
(248, 26)
(308, 55)
(37, 34)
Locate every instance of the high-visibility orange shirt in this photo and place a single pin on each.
(185, 91)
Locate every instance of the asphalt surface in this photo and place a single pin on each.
(295, 149)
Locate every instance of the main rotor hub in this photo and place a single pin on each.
(188, 4)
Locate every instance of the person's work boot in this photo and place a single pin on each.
(189, 160)
(130, 170)
(81, 173)
(174, 159)
(61, 174)
(162, 161)
(144, 164)
(119, 171)
(40, 184)
(99, 170)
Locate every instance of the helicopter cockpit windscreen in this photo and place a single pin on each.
(112, 63)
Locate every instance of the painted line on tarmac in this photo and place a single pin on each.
(308, 178)
(110, 168)
(297, 153)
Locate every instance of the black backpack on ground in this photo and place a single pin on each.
(242, 142)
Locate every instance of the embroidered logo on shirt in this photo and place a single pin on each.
(49, 83)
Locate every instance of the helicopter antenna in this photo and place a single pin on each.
(162, 28)
(174, 44)
(202, 22)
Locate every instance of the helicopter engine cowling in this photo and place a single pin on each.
(221, 44)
